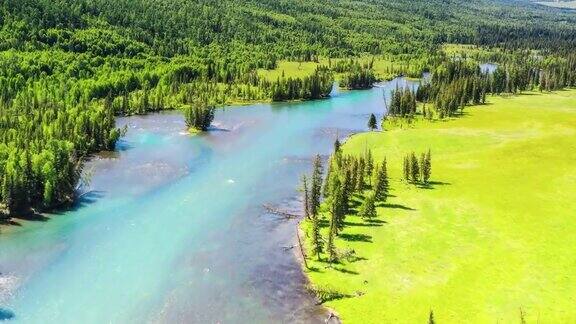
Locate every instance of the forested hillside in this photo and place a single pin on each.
(67, 67)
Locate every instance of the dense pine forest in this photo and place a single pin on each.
(67, 68)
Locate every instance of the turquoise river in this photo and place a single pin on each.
(173, 229)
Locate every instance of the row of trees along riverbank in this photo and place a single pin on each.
(456, 84)
(347, 181)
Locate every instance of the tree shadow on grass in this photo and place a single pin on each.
(433, 184)
(396, 206)
(356, 237)
(322, 223)
(346, 271)
(364, 224)
(313, 269)
(355, 258)
(375, 221)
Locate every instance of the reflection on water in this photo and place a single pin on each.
(172, 228)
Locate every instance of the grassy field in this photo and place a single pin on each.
(492, 238)
(384, 67)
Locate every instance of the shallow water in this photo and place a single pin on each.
(173, 229)
(488, 67)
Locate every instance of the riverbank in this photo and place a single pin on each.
(487, 241)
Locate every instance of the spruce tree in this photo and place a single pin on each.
(317, 241)
(338, 204)
(369, 165)
(316, 186)
(431, 318)
(406, 168)
(346, 192)
(331, 246)
(360, 181)
(306, 200)
(422, 164)
(354, 174)
(414, 168)
(427, 167)
(368, 207)
(381, 183)
(372, 123)
(327, 179)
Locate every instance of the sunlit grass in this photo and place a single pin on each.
(492, 237)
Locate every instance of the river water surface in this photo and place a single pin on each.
(173, 229)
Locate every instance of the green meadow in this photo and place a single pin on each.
(385, 67)
(491, 240)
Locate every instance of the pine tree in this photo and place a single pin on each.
(427, 167)
(368, 207)
(369, 165)
(316, 186)
(331, 246)
(414, 168)
(406, 168)
(353, 165)
(381, 183)
(360, 181)
(338, 204)
(326, 186)
(306, 200)
(372, 123)
(431, 318)
(337, 146)
(346, 192)
(422, 164)
(317, 240)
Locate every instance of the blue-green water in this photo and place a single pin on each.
(173, 229)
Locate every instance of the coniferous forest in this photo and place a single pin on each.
(68, 68)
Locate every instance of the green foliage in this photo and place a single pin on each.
(67, 67)
(316, 189)
(368, 208)
(315, 86)
(199, 116)
(381, 183)
(426, 166)
(456, 84)
(325, 293)
(356, 76)
(402, 103)
(372, 123)
(331, 244)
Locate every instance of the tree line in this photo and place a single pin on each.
(68, 67)
(347, 178)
